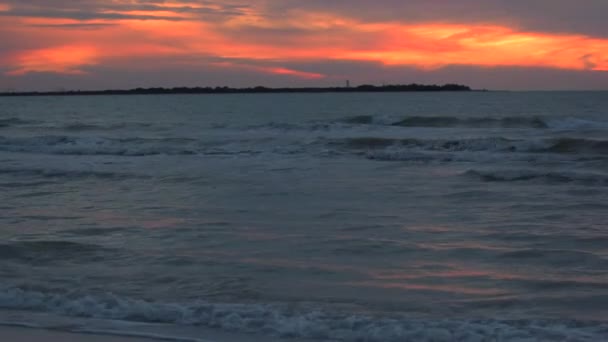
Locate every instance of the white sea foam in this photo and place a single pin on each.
(562, 123)
(375, 147)
(280, 320)
(70, 145)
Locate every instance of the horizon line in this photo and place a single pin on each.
(412, 87)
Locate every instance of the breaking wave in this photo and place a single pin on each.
(475, 122)
(295, 322)
(535, 122)
(492, 144)
(129, 147)
(539, 176)
(60, 144)
(372, 147)
(137, 147)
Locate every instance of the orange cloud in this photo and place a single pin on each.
(63, 59)
(433, 46)
(4, 7)
(285, 71)
(298, 36)
(271, 70)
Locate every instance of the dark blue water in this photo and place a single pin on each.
(343, 217)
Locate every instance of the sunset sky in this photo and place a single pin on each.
(495, 44)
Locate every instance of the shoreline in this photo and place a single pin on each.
(24, 334)
(32, 326)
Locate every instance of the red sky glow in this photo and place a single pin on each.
(292, 44)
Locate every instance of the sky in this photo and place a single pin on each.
(119, 44)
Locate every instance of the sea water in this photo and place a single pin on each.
(476, 216)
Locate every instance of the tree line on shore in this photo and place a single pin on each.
(251, 90)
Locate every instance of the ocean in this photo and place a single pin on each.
(469, 216)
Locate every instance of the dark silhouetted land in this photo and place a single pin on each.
(254, 90)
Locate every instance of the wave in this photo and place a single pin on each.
(490, 144)
(72, 126)
(578, 145)
(129, 147)
(14, 122)
(30, 185)
(66, 174)
(550, 177)
(370, 247)
(389, 148)
(474, 144)
(365, 142)
(81, 126)
(535, 122)
(474, 122)
(556, 257)
(574, 124)
(359, 119)
(49, 251)
(303, 321)
(61, 144)
(407, 156)
(322, 126)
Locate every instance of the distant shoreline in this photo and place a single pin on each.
(253, 90)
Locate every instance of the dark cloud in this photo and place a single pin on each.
(580, 16)
(78, 26)
(81, 15)
(203, 11)
(98, 9)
